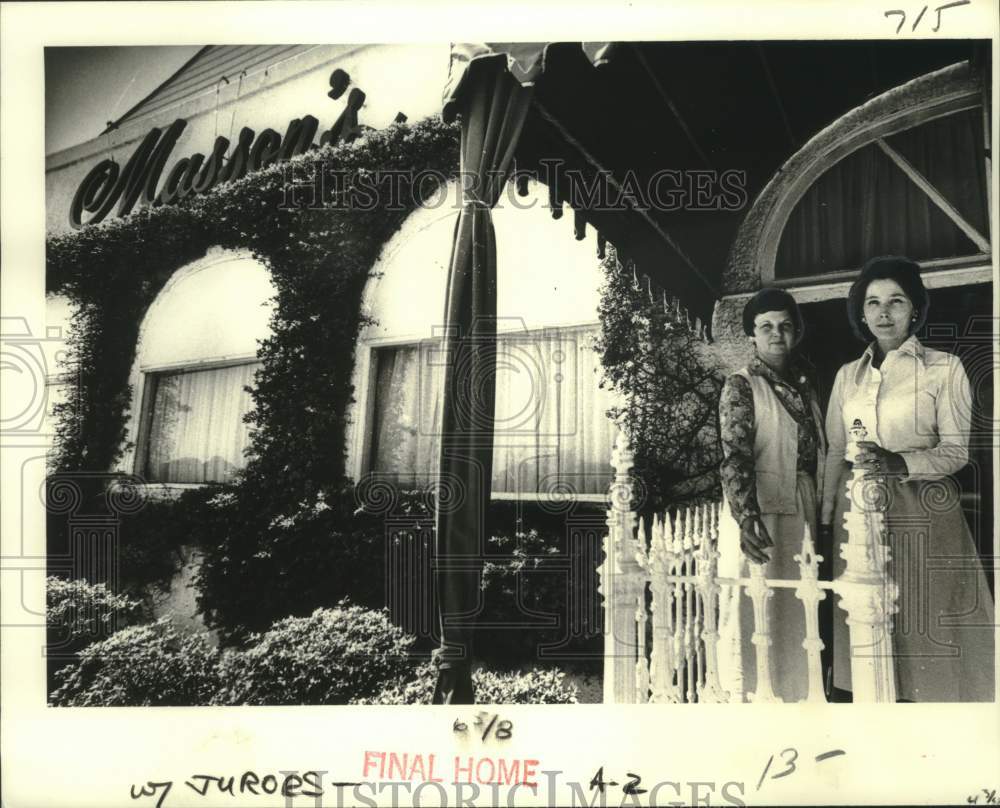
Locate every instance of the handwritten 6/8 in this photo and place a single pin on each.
(485, 724)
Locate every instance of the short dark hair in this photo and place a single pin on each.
(894, 268)
(770, 299)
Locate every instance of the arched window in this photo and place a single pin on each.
(906, 173)
(920, 192)
(197, 355)
(552, 435)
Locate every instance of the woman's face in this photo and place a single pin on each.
(887, 311)
(774, 336)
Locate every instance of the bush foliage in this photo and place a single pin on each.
(535, 686)
(539, 583)
(85, 612)
(334, 656)
(344, 655)
(78, 613)
(141, 666)
(671, 386)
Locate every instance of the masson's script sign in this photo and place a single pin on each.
(108, 184)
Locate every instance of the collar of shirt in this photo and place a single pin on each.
(910, 347)
(796, 381)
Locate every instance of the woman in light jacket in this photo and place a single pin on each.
(914, 402)
(773, 449)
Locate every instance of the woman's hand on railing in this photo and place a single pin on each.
(754, 539)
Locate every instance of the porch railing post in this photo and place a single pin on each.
(759, 592)
(708, 570)
(866, 592)
(622, 583)
(661, 654)
(810, 593)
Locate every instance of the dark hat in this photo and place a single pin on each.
(771, 299)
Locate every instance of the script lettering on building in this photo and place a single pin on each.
(108, 184)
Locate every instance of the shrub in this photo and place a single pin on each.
(306, 557)
(539, 579)
(536, 686)
(87, 612)
(659, 366)
(539, 588)
(334, 656)
(150, 540)
(141, 666)
(77, 614)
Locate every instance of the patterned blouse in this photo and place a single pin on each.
(737, 428)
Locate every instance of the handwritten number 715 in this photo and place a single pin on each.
(920, 16)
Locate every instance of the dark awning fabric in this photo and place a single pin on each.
(559, 129)
(493, 110)
(525, 63)
(637, 109)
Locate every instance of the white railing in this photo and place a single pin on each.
(672, 581)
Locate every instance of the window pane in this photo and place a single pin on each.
(196, 429)
(865, 205)
(406, 415)
(551, 432)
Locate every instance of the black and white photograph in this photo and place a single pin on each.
(503, 385)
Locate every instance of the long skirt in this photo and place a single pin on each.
(943, 632)
(786, 614)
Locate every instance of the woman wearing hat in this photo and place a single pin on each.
(773, 449)
(914, 403)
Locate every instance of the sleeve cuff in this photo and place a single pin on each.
(922, 466)
(914, 466)
(741, 514)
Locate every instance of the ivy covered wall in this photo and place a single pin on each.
(292, 533)
(318, 255)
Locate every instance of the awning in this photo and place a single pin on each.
(525, 63)
(626, 112)
(560, 144)
(494, 90)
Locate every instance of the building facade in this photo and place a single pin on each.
(906, 172)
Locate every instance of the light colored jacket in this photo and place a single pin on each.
(776, 436)
(918, 404)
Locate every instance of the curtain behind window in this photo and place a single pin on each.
(407, 416)
(196, 429)
(865, 205)
(551, 432)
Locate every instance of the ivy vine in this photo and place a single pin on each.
(318, 256)
(286, 536)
